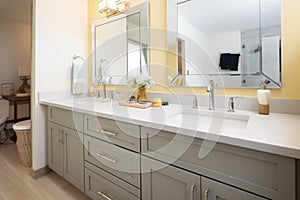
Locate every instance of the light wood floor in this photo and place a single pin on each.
(16, 182)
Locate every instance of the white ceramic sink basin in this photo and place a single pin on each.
(93, 100)
(89, 100)
(214, 120)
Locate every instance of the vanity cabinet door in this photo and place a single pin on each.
(65, 153)
(73, 158)
(212, 190)
(160, 181)
(55, 148)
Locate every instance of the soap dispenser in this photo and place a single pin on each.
(264, 97)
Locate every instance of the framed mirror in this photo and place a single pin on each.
(120, 46)
(235, 43)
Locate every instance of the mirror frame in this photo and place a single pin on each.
(172, 44)
(143, 11)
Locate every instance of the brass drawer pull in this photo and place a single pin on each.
(107, 133)
(113, 160)
(103, 194)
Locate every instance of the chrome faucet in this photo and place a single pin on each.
(211, 97)
(103, 88)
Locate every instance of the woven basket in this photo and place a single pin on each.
(23, 137)
(25, 155)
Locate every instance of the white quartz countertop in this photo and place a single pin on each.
(275, 133)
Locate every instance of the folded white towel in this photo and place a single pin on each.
(79, 77)
(264, 97)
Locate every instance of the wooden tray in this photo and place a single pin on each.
(135, 105)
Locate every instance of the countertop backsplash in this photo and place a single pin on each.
(287, 106)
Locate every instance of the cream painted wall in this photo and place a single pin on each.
(60, 31)
(15, 40)
(290, 49)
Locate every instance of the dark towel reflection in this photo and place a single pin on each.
(229, 61)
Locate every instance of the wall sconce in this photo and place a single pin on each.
(112, 7)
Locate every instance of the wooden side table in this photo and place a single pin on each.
(15, 101)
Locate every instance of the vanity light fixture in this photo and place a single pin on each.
(112, 7)
(122, 4)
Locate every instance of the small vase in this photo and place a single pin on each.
(141, 94)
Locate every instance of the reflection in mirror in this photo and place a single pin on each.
(120, 46)
(137, 49)
(271, 39)
(237, 47)
(110, 63)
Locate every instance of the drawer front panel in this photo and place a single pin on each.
(67, 118)
(98, 187)
(262, 173)
(117, 181)
(161, 181)
(113, 159)
(212, 190)
(119, 133)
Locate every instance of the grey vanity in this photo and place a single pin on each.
(64, 146)
(109, 159)
(227, 172)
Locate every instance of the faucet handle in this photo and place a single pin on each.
(231, 103)
(195, 102)
(112, 95)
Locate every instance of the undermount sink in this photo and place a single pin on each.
(213, 120)
(90, 100)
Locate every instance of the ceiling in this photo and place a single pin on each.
(215, 16)
(16, 10)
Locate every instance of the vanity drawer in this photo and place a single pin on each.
(67, 118)
(100, 186)
(116, 132)
(268, 175)
(113, 159)
(215, 190)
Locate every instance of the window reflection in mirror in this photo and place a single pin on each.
(271, 39)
